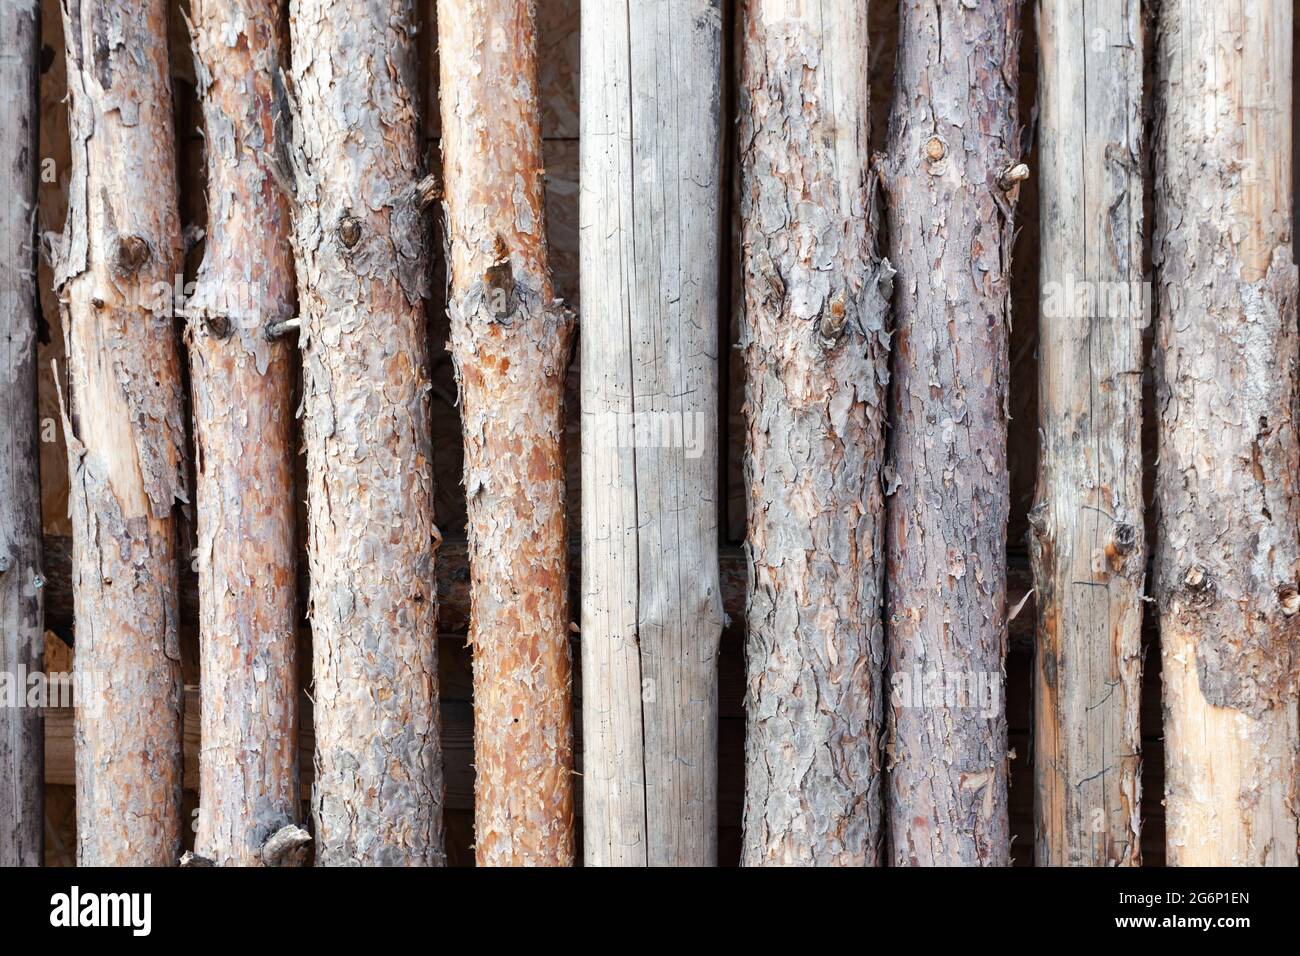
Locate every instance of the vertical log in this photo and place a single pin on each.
(1087, 542)
(117, 263)
(242, 396)
(1228, 555)
(511, 340)
(815, 346)
(950, 183)
(22, 641)
(361, 258)
(650, 252)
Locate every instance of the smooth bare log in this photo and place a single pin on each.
(242, 399)
(1227, 560)
(511, 341)
(116, 265)
(361, 259)
(950, 177)
(651, 602)
(815, 346)
(22, 582)
(1087, 540)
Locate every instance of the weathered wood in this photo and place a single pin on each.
(952, 143)
(242, 399)
(511, 340)
(362, 260)
(1087, 541)
(651, 601)
(116, 265)
(22, 639)
(1228, 553)
(815, 345)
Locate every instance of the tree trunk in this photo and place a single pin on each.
(242, 395)
(1228, 557)
(511, 340)
(953, 140)
(22, 638)
(361, 249)
(117, 263)
(650, 252)
(1088, 546)
(814, 342)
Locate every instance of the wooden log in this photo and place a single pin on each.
(362, 275)
(651, 604)
(815, 345)
(950, 178)
(1087, 536)
(243, 421)
(21, 579)
(115, 270)
(511, 340)
(1227, 559)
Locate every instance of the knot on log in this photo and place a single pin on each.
(286, 847)
(1288, 599)
(499, 282)
(1123, 538)
(349, 231)
(132, 253)
(833, 320)
(217, 326)
(1013, 175)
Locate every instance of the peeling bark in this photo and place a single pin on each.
(1228, 557)
(360, 240)
(953, 143)
(1087, 543)
(116, 265)
(511, 341)
(22, 639)
(242, 396)
(815, 346)
(652, 608)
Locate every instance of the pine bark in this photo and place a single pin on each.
(1087, 542)
(22, 638)
(650, 252)
(242, 398)
(361, 251)
(511, 340)
(953, 139)
(815, 344)
(1228, 554)
(117, 263)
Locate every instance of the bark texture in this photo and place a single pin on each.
(361, 257)
(1228, 557)
(117, 263)
(511, 340)
(242, 396)
(652, 610)
(1087, 542)
(815, 345)
(953, 139)
(22, 638)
